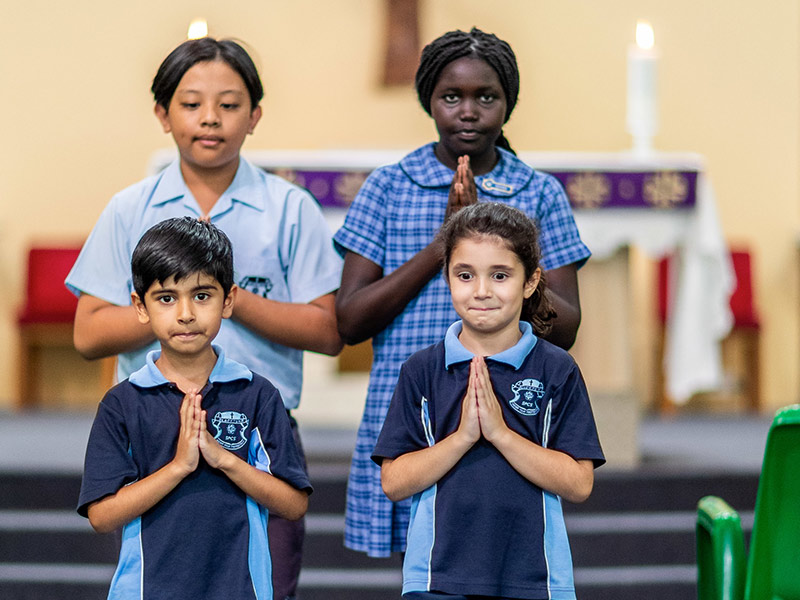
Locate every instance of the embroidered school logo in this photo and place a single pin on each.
(527, 394)
(231, 427)
(260, 286)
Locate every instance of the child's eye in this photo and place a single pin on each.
(488, 98)
(500, 276)
(166, 299)
(201, 296)
(229, 105)
(190, 105)
(450, 98)
(464, 276)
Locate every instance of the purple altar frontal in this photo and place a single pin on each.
(659, 181)
(587, 189)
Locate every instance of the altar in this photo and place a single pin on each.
(656, 204)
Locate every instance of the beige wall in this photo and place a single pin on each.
(77, 122)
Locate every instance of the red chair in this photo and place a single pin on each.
(46, 319)
(746, 326)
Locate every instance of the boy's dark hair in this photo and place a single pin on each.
(206, 49)
(520, 235)
(477, 44)
(178, 248)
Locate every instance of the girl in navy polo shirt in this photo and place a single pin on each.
(489, 428)
(468, 82)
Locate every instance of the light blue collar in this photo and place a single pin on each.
(454, 351)
(172, 187)
(225, 369)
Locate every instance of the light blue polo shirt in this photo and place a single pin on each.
(282, 250)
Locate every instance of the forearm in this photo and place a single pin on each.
(365, 308)
(414, 472)
(565, 325)
(310, 326)
(103, 329)
(549, 469)
(275, 494)
(132, 501)
(562, 291)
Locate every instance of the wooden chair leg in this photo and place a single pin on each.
(752, 377)
(664, 404)
(28, 372)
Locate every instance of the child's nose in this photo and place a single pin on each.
(482, 289)
(210, 116)
(468, 110)
(185, 311)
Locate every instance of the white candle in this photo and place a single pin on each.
(642, 119)
(197, 29)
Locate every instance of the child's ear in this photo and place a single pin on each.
(230, 300)
(161, 115)
(255, 117)
(530, 285)
(141, 309)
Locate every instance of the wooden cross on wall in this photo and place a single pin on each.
(402, 42)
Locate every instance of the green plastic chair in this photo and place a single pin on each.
(771, 571)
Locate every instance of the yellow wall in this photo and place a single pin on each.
(77, 122)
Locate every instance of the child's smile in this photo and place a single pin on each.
(488, 285)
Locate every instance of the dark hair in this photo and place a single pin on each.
(178, 248)
(477, 44)
(206, 49)
(519, 233)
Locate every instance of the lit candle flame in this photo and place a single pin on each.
(645, 38)
(197, 29)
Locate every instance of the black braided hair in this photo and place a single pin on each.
(458, 44)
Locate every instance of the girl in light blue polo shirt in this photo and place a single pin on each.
(207, 95)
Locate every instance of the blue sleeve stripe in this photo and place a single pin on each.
(257, 456)
(426, 422)
(128, 580)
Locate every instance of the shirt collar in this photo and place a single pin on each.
(225, 370)
(244, 188)
(509, 176)
(454, 351)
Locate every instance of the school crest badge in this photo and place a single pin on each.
(231, 427)
(260, 286)
(527, 393)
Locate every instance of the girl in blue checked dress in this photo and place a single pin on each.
(490, 427)
(390, 291)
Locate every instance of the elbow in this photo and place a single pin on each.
(101, 527)
(333, 345)
(393, 495)
(351, 331)
(98, 523)
(298, 507)
(86, 347)
(581, 490)
(390, 487)
(349, 325)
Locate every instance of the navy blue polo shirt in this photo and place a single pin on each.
(483, 528)
(206, 538)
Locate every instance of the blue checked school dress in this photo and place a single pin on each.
(395, 215)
